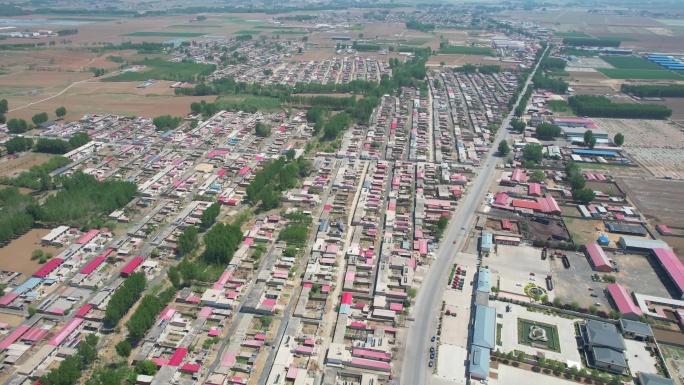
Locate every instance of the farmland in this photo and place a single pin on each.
(165, 34)
(658, 199)
(572, 34)
(247, 32)
(630, 63)
(640, 74)
(465, 50)
(162, 70)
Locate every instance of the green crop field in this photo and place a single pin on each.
(630, 63)
(288, 32)
(195, 26)
(572, 34)
(355, 27)
(247, 32)
(640, 74)
(74, 18)
(466, 50)
(627, 39)
(416, 41)
(166, 34)
(161, 69)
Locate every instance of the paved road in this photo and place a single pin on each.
(415, 369)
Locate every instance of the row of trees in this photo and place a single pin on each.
(4, 108)
(590, 42)
(70, 369)
(167, 122)
(334, 103)
(602, 107)
(187, 241)
(553, 64)
(209, 215)
(82, 198)
(276, 177)
(37, 178)
(420, 26)
(13, 217)
(17, 126)
(548, 131)
(59, 146)
(146, 314)
(124, 297)
(652, 90)
(295, 234)
(555, 85)
(220, 243)
(18, 144)
(366, 47)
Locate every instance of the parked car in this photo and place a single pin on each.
(432, 349)
(434, 338)
(430, 364)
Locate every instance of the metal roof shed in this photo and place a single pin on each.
(484, 331)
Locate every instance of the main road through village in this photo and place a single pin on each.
(415, 367)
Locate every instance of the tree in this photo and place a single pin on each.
(577, 182)
(533, 152)
(557, 301)
(209, 215)
(167, 122)
(412, 292)
(615, 380)
(3, 119)
(4, 107)
(265, 321)
(619, 139)
(504, 149)
(588, 134)
(31, 311)
(40, 118)
(262, 130)
(541, 361)
(593, 310)
(146, 367)
(123, 348)
(592, 143)
(585, 195)
(17, 126)
(537, 176)
(18, 144)
(518, 125)
(61, 112)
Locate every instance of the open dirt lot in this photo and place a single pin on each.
(658, 200)
(17, 165)
(675, 104)
(17, 255)
(642, 275)
(656, 144)
(513, 267)
(574, 283)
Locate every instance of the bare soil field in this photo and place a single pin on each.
(677, 245)
(656, 144)
(658, 199)
(452, 60)
(675, 104)
(583, 230)
(17, 255)
(23, 163)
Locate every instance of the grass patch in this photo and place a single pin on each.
(247, 32)
(599, 166)
(573, 34)
(498, 334)
(249, 103)
(630, 63)
(561, 107)
(195, 26)
(553, 341)
(355, 27)
(165, 34)
(466, 50)
(640, 74)
(161, 69)
(416, 41)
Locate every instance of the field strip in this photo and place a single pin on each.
(57, 94)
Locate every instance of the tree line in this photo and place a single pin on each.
(59, 146)
(420, 26)
(14, 218)
(124, 297)
(602, 107)
(590, 42)
(71, 368)
(262, 130)
(209, 215)
(580, 192)
(18, 144)
(275, 177)
(548, 131)
(66, 32)
(555, 85)
(146, 314)
(83, 199)
(167, 122)
(652, 90)
(220, 243)
(37, 178)
(552, 64)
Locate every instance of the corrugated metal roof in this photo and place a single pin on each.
(484, 331)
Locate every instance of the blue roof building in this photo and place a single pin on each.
(486, 242)
(484, 330)
(484, 280)
(479, 363)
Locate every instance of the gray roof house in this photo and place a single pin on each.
(604, 347)
(653, 379)
(636, 330)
